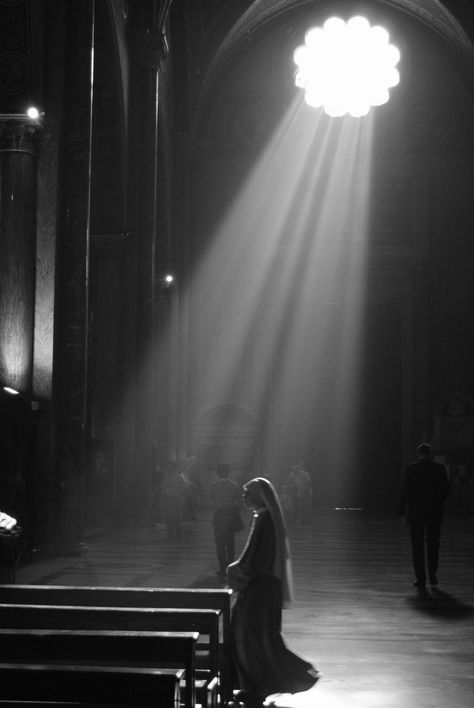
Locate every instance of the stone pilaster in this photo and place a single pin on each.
(148, 54)
(18, 152)
(72, 265)
(18, 156)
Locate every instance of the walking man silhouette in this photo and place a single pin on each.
(424, 490)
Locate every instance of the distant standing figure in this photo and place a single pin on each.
(304, 493)
(189, 494)
(262, 578)
(425, 488)
(156, 492)
(225, 496)
(288, 499)
(171, 500)
(193, 472)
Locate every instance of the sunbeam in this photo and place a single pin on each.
(278, 292)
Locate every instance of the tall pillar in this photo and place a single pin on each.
(147, 56)
(72, 262)
(18, 155)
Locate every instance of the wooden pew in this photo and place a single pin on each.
(194, 598)
(63, 704)
(68, 617)
(108, 685)
(153, 649)
(98, 596)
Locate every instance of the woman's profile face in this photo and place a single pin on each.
(249, 500)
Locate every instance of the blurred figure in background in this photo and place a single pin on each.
(189, 491)
(157, 475)
(171, 492)
(288, 499)
(225, 495)
(193, 472)
(304, 493)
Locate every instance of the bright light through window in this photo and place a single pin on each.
(347, 67)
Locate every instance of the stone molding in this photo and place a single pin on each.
(19, 134)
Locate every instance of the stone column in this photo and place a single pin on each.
(18, 156)
(72, 265)
(147, 52)
(18, 153)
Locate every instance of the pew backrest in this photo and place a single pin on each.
(205, 622)
(193, 598)
(98, 596)
(108, 685)
(153, 649)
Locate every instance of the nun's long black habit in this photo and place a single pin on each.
(263, 662)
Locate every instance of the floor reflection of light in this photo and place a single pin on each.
(317, 696)
(324, 696)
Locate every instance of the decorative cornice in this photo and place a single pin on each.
(18, 133)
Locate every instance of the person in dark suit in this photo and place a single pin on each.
(425, 488)
(225, 495)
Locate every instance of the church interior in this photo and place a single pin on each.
(199, 266)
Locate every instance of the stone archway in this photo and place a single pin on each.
(226, 433)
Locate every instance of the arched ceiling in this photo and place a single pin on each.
(432, 14)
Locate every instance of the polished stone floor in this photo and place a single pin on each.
(377, 642)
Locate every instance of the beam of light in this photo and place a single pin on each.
(276, 327)
(346, 67)
(270, 320)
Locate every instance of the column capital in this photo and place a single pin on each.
(18, 133)
(150, 49)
